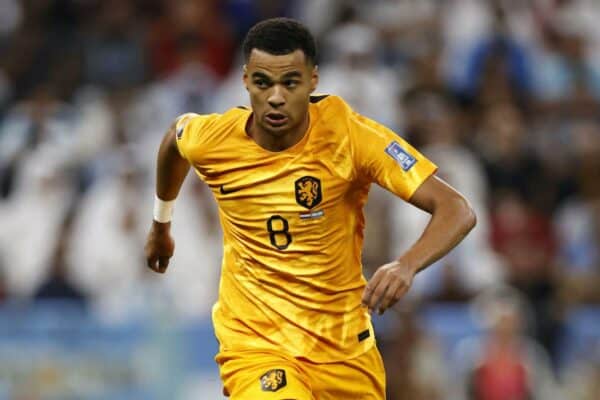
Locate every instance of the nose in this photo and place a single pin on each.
(276, 98)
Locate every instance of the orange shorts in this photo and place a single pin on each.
(257, 375)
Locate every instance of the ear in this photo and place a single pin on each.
(314, 79)
(245, 76)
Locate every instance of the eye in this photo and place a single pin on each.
(261, 83)
(290, 84)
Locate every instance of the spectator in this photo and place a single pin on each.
(353, 50)
(582, 380)
(117, 279)
(57, 285)
(491, 62)
(578, 222)
(200, 29)
(114, 48)
(413, 359)
(503, 143)
(527, 242)
(504, 363)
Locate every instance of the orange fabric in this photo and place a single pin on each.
(293, 226)
(251, 375)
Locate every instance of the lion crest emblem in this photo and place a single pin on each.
(273, 380)
(308, 191)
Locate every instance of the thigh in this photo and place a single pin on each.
(360, 378)
(250, 375)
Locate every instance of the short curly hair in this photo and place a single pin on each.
(280, 36)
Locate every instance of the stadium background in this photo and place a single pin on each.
(502, 94)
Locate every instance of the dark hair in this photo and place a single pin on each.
(280, 36)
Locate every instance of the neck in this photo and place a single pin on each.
(277, 142)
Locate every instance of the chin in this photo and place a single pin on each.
(277, 130)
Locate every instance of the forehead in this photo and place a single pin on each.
(260, 60)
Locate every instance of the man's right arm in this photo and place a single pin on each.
(171, 171)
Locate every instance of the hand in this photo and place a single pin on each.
(159, 247)
(389, 283)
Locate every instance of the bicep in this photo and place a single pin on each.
(172, 167)
(168, 146)
(433, 192)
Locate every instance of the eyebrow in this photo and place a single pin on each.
(287, 75)
(260, 75)
(292, 74)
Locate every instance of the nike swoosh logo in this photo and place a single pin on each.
(227, 191)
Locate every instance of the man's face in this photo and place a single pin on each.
(279, 87)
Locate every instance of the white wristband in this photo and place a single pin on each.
(163, 210)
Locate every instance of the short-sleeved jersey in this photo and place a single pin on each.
(293, 224)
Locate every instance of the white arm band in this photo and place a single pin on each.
(163, 210)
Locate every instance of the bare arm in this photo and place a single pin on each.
(171, 171)
(451, 220)
(171, 168)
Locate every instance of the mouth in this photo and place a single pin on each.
(276, 119)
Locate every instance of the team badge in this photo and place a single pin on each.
(273, 380)
(308, 191)
(403, 157)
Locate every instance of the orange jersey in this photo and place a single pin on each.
(293, 224)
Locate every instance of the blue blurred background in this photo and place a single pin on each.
(502, 94)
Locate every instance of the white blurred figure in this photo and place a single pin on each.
(190, 88)
(44, 144)
(409, 28)
(106, 238)
(353, 73)
(228, 93)
(568, 65)
(578, 16)
(318, 15)
(96, 129)
(38, 153)
(108, 241)
(193, 277)
(31, 221)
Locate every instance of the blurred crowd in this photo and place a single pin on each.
(502, 94)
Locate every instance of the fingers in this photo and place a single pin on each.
(390, 296)
(383, 290)
(370, 290)
(158, 264)
(163, 263)
(159, 249)
(377, 291)
(152, 262)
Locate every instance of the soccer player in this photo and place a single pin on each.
(291, 176)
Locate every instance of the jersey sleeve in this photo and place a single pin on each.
(189, 131)
(383, 157)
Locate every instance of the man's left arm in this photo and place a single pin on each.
(451, 220)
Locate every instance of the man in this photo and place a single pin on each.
(290, 177)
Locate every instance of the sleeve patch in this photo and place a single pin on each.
(402, 157)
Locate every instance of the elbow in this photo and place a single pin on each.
(468, 216)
